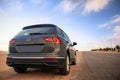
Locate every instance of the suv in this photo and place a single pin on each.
(44, 45)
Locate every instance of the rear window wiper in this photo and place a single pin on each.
(37, 33)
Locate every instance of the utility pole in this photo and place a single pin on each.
(110, 40)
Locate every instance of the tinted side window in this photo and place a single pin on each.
(61, 33)
(64, 35)
(67, 38)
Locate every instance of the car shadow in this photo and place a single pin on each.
(42, 71)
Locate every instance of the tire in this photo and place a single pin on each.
(74, 62)
(20, 69)
(66, 69)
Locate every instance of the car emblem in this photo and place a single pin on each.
(28, 39)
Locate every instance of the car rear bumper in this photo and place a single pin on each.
(52, 62)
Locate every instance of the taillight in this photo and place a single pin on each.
(53, 39)
(12, 41)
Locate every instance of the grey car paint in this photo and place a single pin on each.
(34, 48)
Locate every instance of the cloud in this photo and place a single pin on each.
(116, 34)
(16, 5)
(12, 5)
(95, 5)
(87, 6)
(115, 20)
(115, 37)
(114, 24)
(117, 29)
(69, 5)
(37, 2)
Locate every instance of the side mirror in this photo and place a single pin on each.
(74, 43)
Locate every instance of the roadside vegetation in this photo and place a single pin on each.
(116, 48)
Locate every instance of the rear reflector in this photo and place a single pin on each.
(53, 39)
(12, 41)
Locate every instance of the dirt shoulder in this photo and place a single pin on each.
(3, 66)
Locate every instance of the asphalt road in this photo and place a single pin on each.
(90, 66)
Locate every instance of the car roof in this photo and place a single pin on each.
(39, 25)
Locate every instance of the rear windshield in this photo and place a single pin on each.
(36, 31)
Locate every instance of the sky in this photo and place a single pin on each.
(90, 23)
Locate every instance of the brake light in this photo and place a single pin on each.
(12, 41)
(53, 39)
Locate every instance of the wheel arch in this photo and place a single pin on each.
(68, 53)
